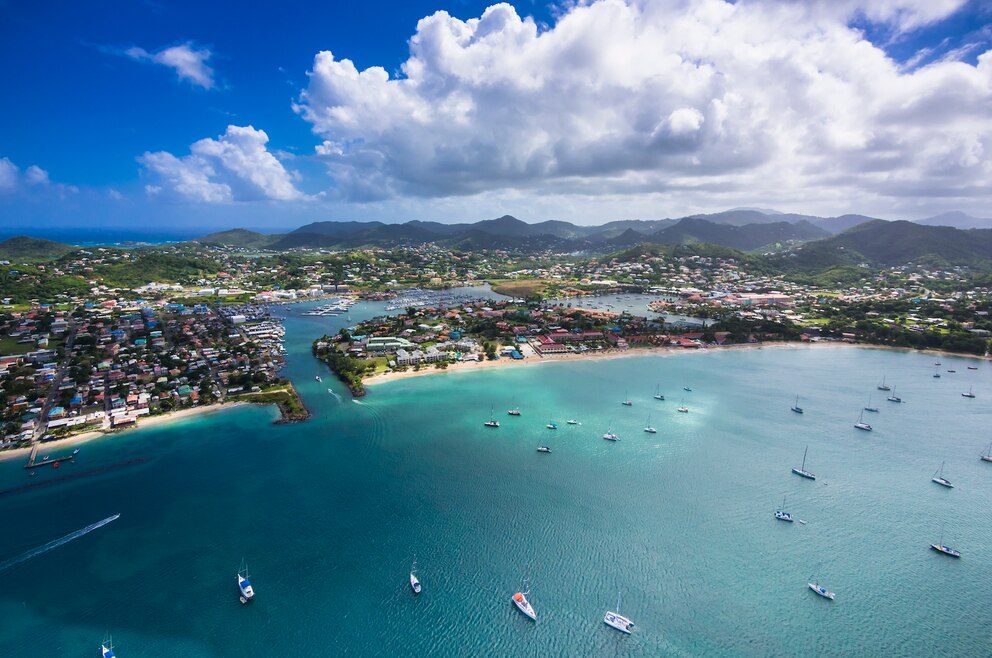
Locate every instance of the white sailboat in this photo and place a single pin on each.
(939, 478)
(626, 401)
(572, 421)
(657, 393)
(107, 647)
(801, 471)
(941, 548)
(414, 581)
(936, 374)
(649, 428)
(781, 514)
(492, 422)
(244, 585)
(883, 386)
(987, 457)
(610, 436)
(796, 406)
(970, 393)
(894, 397)
(861, 424)
(870, 408)
(682, 408)
(618, 621)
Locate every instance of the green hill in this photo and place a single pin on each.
(23, 247)
(240, 237)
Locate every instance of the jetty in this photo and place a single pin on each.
(54, 463)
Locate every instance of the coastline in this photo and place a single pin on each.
(78, 439)
(503, 362)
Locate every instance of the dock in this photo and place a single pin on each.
(54, 463)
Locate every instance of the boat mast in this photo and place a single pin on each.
(803, 468)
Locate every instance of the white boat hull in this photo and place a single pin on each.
(619, 622)
(821, 591)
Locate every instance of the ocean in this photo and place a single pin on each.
(329, 515)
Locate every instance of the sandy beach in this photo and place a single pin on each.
(77, 439)
(504, 362)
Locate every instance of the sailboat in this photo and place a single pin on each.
(861, 424)
(939, 478)
(618, 621)
(969, 394)
(626, 401)
(869, 407)
(894, 397)
(107, 647)
(883, 386)
(492, 422)
(515, 411)
(610, 436)
(657, 393)
(936, 375)
(244, 586)
(801, 471)
(987, 457)
(414, 581)
(520, 600)
(946, 550)
(781, 514)
(819, 589)
(649, 428)
(682, 408)
(796, 406)
(572, 421)
(552, 425)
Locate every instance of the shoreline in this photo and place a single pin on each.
(502, 362)
(84, 437)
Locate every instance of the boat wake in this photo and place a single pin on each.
(336, 396)
(52, 545)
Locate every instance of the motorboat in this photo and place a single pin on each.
(544, 449)
(572, 421)
(244, 585)
(821, 591)
(520, 600)
(414, 581)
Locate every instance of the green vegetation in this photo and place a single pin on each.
(531, 289)
(291, 408)
(347, 368)
(22, 248)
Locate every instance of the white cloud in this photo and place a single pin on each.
(34, 178)
(189, 62)
(708, 101)
(35, 175)
(8, 175)
(235, 166)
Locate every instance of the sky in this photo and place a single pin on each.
(196, 116)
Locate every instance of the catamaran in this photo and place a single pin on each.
(894, 397)
(987, 457)
(513, 412)
(414, 581)
(107, 647)
(822, 591)
(861, 424)
(520, 600)
(682, 408)
(610, 436)
(244, 586)
(796, 406)
(946, 550)
(869, 407)
(657, 393)
(781, 514)
(939, 478)
(883, 386)
(801, 471)
(626, 401)
(649, 428)
(969, 394)
(492, 422)
(618, 621)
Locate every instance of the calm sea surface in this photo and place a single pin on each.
(330, 514)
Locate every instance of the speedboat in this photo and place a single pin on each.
(939, 478)
(544, 449)
(414, 581)
(946, 550)
(520, 600)
(244, 586)
(317, 377)
(491, 423)
(822, 591)
(572, 421)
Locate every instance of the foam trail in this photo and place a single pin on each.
(336, 396)
(52, 545)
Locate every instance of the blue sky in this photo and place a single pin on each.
(542, 110)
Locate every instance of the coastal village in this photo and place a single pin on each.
(88, 342)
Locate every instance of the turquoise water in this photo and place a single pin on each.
(330, 513)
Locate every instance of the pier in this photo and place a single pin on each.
(34, 463)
